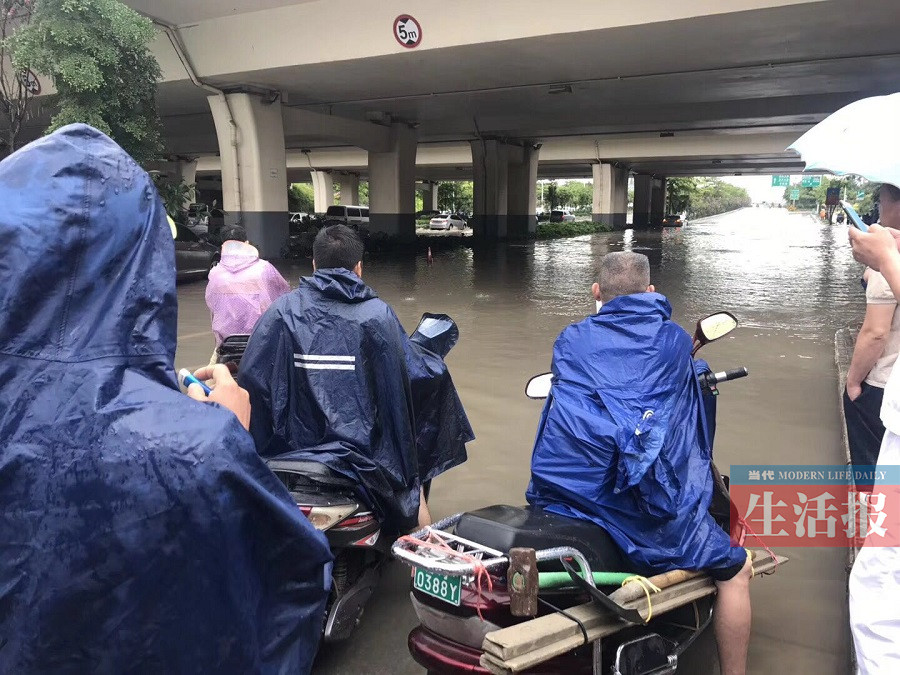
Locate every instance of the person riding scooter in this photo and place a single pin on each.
(622, 443)
(328, 372)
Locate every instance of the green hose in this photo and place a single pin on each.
(561, 579)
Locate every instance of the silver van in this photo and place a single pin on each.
(355, 216)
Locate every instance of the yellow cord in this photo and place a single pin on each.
(647, 586)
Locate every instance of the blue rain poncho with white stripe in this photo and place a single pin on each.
(623, 440)
(334, 379)
(139, 529)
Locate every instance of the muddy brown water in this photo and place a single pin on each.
(790, 281)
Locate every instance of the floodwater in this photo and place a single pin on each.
(790, 281)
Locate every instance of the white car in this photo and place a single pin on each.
(447, 221)
(561, 217)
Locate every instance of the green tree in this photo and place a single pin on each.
(551, 195)
(301, 198)
(175, 196)
(576, 195)
(363, 193)
(456, 196)
(712, 196)
(16, 86)
(97, 53)
(679, 193)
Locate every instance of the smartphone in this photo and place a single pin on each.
(853, 217)
(186, 380)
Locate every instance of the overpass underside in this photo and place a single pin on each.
(260, 93)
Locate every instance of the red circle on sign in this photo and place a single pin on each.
(407, 31)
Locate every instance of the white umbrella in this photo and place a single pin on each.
(862, 138)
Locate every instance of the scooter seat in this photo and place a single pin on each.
(503, 527)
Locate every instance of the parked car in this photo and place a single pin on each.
(561, 217)
(673, 220)
(351, 215)
(193, 257)
(447, 221)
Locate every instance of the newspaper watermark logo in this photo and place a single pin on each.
(818, 505)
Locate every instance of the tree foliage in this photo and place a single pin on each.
(15, 92)
(301, 198)
(701, 197)
(576, 195)
(712, 196)
(456, 196)
(97, 53)
(679, 193)
(175, 196)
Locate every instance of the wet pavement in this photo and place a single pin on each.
(790, 281)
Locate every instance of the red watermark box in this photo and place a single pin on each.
(817, 515)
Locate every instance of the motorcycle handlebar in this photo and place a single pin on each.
(715, 378)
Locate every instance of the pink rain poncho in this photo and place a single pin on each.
(241, 287)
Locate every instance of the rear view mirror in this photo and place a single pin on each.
(713, 327)
(539, 386)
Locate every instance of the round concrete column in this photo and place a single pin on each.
(254, 168)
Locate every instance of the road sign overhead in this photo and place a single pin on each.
(781, 181)
(811, 181)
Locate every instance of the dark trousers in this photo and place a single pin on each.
(864, 427)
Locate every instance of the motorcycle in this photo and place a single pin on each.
(470, 584)
(333, 505)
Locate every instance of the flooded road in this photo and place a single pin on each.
(790, 281)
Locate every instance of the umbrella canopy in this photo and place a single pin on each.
(862, 138)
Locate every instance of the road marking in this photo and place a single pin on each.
(191, 336)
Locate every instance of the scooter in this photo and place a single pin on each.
(471, 584)
(333, 503)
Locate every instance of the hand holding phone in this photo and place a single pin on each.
(225, 391)
(853, 217)
(186, 380)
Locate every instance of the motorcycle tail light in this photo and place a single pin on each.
(357, 522)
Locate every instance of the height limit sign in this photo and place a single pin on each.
(407, 31)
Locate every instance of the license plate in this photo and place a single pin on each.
(438, 586)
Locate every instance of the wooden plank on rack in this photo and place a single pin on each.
(554, 634)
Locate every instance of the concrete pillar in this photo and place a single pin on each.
(522, 192)
(186, 173)
(254, 168)
(323, 189)
(392, 185)
(642, 193)
(429, 195)
(658, 201)
(490, 188)
(349, 188)
(610, 195)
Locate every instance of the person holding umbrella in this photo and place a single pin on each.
(863, 138)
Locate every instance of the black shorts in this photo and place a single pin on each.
(726, 573)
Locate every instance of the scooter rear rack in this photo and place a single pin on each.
(447, 562)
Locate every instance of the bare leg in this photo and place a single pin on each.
(732, 622)
(424, 513)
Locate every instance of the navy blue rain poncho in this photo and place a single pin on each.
(326, 368)
(139, 529)
(621, 440)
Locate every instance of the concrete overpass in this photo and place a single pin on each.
(504, 92)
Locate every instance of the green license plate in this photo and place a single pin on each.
(438, 586)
